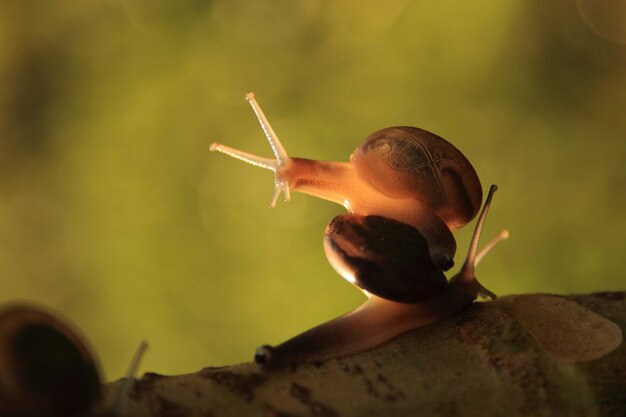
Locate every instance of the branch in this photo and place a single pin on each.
(536, 355)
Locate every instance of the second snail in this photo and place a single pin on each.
(406, 190)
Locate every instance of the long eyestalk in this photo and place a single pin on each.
(252, 159)
(275, 165)
(466, 277)
(125, 386)
(470, 262)
(277, 147)
(503, 235)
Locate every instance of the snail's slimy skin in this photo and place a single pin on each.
(402, 186)
(376, 321)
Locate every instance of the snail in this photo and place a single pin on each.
(406, 191)
(47, 370)
(45, 367)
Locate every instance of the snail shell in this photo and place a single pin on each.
(384, 257)
(411, 162)
(45, 368)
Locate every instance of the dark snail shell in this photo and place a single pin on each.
(45, 368)
(384, 257)
(410, 162)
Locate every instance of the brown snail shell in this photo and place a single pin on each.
(384, 257)
(407, 161)
(45, 368)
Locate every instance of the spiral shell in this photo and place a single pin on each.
(407, 161)
(384, 257)
(45, 368)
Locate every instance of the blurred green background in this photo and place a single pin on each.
(113, 211)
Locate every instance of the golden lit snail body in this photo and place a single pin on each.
(406, 190)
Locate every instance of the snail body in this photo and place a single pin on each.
(405, 190)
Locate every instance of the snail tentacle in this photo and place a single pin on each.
(466, 277)
(279, 150)
(278, 165)
(502, 235)
(249, 158)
